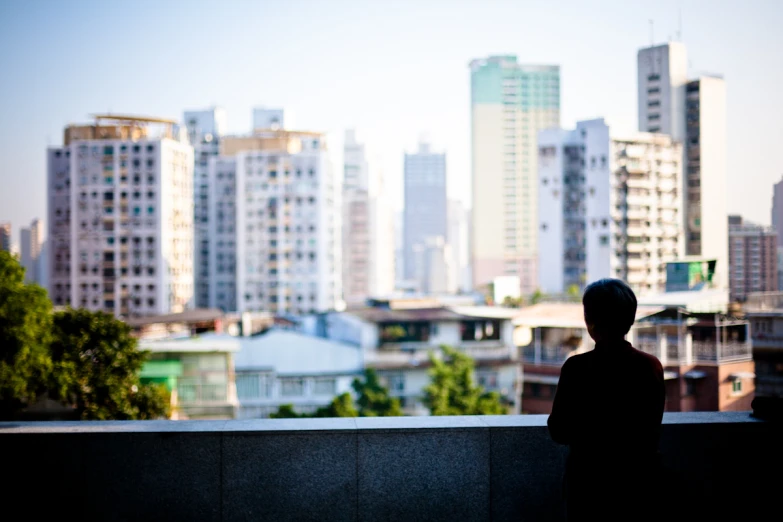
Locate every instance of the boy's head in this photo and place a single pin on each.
(610, 309)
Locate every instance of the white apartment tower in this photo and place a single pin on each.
(510, 104)
(367, 234)
(609, 207)
(274, 231)
(205, 128)
(120, 222)
(692, 112)
(30, 249)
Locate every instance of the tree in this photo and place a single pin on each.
(25, 330)
(373, 398)
(537, 296)
(96, 367)
(574, 293)
(512, 302)
(286, 411)
(341, 406)
(452, 391)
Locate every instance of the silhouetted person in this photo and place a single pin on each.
(608, 409)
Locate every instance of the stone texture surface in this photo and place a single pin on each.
(527, 473)
(152, 476)
(289, 476)
(433, 474)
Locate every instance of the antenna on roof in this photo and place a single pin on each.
(652, 40)
(679, 25)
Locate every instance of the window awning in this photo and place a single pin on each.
(742, 375)
(695, 374)
(541, 379)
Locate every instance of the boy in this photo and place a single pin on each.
(608, 410)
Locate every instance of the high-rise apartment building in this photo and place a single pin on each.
(426, 209)
(205, 128)
(30, 248)
(5, 236)
(693, 113)
(120, 223)
(609, 207)
(368, 245)
(753, 262)
(510, 104)
(274, 231)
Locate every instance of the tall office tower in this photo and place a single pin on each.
(458, 239)
(120, 223)
(274, 240)
(609, 207)
(368, 242)
(510, 104)
(752, 258)
(694, 113)
(205, 128)
(5, 236)
(425, 203)
(30, 250)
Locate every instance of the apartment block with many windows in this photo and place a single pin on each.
(120, 221)
(274, 240)
(610, 206)
(753, 262)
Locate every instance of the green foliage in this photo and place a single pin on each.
(341, 406)
(393, 332)
(373, 398)
(537, 296)
(25, 330)
(452, 390)
(286, 411)
(513, 302)
(574, 293)
(96, 369)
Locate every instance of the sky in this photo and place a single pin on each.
(392, 70)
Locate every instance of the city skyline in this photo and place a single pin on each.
(325, 44)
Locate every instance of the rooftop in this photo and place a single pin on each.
(564, 315)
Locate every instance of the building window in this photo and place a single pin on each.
(736, 386)
(292, 387)
(396, 382)
(325, 386)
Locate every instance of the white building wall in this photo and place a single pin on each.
(551, 217)
(601, 229)
(662, 74)
(712, 145)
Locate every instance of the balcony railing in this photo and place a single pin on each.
(388, 468)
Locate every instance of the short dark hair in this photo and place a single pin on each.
(610, 306)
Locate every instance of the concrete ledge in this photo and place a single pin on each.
(403, 468)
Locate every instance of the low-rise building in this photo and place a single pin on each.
(287, 367)
(398, 336)
(706, 356)
(765, 313)
(199, 372)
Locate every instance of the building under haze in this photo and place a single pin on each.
(777, 210)
(510, 104)
(693, 112)
(274, 231)
(367, 236)
(609, 206)
(5, 237)
(426, 208)
(120, 222)
(30, 250)
(753, 261)
(205, 128)
(458, 238)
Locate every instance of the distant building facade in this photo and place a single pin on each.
(274, 232)
(692, 112)
(5, 236)
(510, 103)
(120, 222)
(765, 313)
(205, 128)
(753, 258)
(30, 249)
(609, 207)
(426, 211)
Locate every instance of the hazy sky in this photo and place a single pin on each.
(393, 70)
